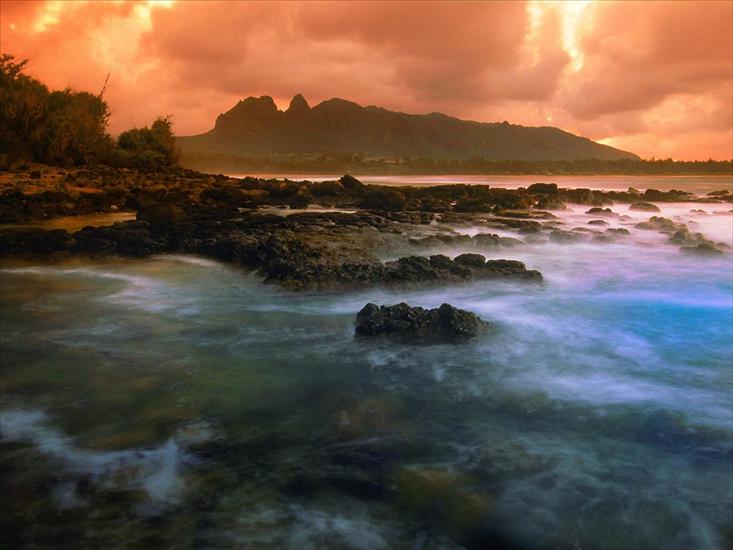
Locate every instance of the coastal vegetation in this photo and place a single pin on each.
(336, 163)
(69, 127)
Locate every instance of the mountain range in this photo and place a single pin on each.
(255, 126)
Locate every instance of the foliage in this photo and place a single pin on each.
(356, 164)
(68, 127)
(23, 107)
(76, 128)
(153, 147)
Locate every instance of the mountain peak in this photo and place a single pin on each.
(298, 105)
(254, 106)
(255, 126)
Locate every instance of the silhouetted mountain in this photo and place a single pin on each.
(256, 126)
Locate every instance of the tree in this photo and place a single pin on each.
(61, 127)
(153, 147)
(77, 128)
(23, 104)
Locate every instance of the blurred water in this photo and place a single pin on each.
(178, 402)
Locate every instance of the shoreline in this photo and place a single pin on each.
(362, 235)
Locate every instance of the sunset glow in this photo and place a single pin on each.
(654, 78)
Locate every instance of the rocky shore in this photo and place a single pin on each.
(266, 224)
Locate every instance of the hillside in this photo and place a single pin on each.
(255, 126)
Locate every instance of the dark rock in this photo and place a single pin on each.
(550, 203)
(596, 211)
(567, 237)
(162, 212)
(659, 223)
(702, 249)
(442, 241)
(35, 241)
(603, 239)
(383, 199)
(35, 175)
(508, 269)
(598, 222)
(351, 183)
(470, 260)
(418, 325)
(492, 240)
(644, 207)
(585, 196)
(326, 189)
(524, 226)
(525, 214)
(300, 200)
(543, 188)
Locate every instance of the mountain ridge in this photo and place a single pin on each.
(255, 126)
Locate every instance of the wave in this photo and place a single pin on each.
(157, 471)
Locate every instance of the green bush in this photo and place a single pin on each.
(67, 127)
(152, 147)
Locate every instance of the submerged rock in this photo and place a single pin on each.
(490, 240)
(618, 231)
(702, 249)
(659, 223)
(567, 237)
(597, 211)
(418, 325)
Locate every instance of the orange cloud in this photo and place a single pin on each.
(653, 77)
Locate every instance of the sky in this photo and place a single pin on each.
(654, 78)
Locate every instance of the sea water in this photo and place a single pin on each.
(177, 402)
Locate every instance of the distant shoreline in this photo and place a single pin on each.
(359, 166)
(336, 175)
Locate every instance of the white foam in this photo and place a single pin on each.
(155, 470)
(190, 260)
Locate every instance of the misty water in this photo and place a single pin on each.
(177, 402)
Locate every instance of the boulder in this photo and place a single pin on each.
(596, 211)
(418, 325)
(702, 249)
(644, 207)
(351, 183)
(543, 188)
(470, 260)
(567, 237)
(659, 223)
(550, 203)
(383, 199)
(492, 240)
